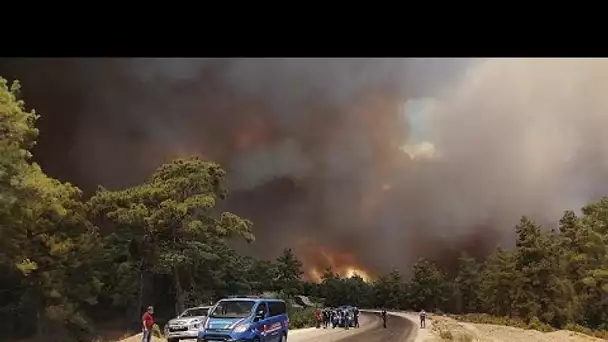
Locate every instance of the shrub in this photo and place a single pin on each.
(584, 330)
(536, 324)
(466, 337)
(156, 331)
(446, 334)
(301, 318)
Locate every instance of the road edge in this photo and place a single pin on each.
(413, 333)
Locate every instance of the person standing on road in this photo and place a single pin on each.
(422, 319)
(384, 318)
(147, 322)
(318, 317)
(347, 319)
(356, 317)
(323, 318)
(334, 318)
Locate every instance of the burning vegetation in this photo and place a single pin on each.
(319, 260)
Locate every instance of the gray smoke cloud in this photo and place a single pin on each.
(366, 161)
(529, 133)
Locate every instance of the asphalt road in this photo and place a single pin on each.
(371, 330)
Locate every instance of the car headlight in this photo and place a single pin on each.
(241, 328)
(194, 324)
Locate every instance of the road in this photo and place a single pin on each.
(371, 330)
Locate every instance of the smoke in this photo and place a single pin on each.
(378, 160)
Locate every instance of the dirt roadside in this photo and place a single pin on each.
(448, 329)
(137, 338)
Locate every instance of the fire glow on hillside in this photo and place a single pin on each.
(319, 259)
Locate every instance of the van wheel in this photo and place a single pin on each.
(283, 338)
(257, 339)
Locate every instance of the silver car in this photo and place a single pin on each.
(185, 326)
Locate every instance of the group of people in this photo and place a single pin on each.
(336, 317)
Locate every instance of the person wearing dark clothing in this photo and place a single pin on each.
(346, 320)
(356, 317)
(147, 322)
(318, 317)
(384, 318)
(422, 319)
(325, 318)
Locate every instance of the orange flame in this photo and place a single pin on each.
(317, 259)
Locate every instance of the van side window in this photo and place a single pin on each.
(261, 307)
(276, 308)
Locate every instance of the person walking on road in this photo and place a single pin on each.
(422, 319)
(384, 318)
(356, 317)
(147, 322)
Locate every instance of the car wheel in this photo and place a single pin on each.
(173, 340)
(283, 338)
(257, 339)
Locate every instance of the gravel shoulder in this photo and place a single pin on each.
(445, 327)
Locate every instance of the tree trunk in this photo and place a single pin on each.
(140, 295)
(179, 293)
(41, 321)
(39, 325)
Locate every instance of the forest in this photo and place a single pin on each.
(70, 265)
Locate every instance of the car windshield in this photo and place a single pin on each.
(195, 312)
(232, 309)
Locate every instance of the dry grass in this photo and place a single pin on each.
(137, 338)
(445, 329)
(448, 329)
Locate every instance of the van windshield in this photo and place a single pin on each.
(232, 309)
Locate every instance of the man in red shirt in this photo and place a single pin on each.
(318, 315)
(147, 322)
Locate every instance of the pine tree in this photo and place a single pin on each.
(428, 288)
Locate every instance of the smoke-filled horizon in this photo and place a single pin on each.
(379, 160)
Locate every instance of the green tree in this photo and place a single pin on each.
(389, 290)
(357, 292)
(172, 215)
(573, 248)
(466, 285)
(499, 283)
(593, 234)
(542, 290)
(331, 288)
(428, 288)
(17, 136)
(46, 243)
(288, 273)
(57, 251)
(262, 275)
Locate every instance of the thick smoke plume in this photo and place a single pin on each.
(378, 160)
